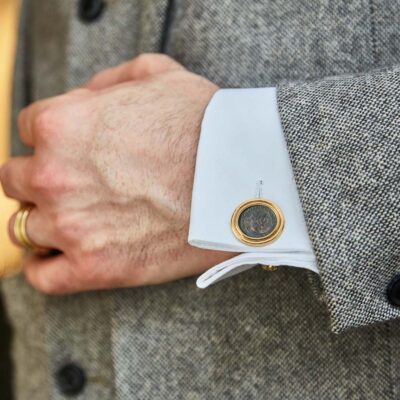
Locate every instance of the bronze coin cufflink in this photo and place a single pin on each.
(257, 222)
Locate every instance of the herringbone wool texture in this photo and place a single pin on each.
(257, 335)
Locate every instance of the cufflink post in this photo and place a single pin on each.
(269, 268)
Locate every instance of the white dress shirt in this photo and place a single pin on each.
(242, 155)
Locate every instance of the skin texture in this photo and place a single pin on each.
(111, 178)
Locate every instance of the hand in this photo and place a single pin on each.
(111, 178)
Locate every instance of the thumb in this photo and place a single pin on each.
(140, 67)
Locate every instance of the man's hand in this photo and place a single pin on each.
(111, 178)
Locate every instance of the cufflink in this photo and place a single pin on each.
(269, 268)
(257, 222)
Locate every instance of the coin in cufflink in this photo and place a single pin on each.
(257, 222)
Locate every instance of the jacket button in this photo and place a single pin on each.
(90, 10)
(70, 379)
(393, 291)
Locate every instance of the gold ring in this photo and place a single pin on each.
(20, 231)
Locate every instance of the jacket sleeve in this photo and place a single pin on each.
(343, 137)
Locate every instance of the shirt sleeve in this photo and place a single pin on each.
(242, 155)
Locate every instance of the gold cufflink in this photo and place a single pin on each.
(257, 222)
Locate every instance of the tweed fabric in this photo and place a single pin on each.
(246, 338)
(257, 335)
(334, 126)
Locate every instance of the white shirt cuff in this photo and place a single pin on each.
(242, 144)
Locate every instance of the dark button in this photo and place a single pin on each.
(70, 379)
(393, 291)
(90, 10)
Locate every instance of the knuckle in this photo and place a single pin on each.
(47, 180)
(143, 58)
(46, 123)
(146, 61)
(39, 179)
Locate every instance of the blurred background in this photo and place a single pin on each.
(9, 255)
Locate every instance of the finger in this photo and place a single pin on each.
(14, 177)
(38, 228)
(139, 68)
(52, 275)
(29, 116)
(26, 118)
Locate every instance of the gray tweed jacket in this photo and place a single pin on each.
(258, 335)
